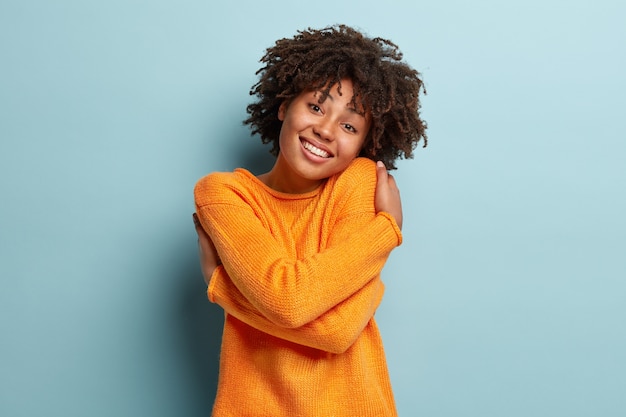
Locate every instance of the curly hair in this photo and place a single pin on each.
(316, 60)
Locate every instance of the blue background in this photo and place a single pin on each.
(508, 297)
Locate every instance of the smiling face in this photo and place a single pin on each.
(317, 139)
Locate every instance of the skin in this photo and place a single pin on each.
(337, 130)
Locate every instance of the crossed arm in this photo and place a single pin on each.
(333, 328)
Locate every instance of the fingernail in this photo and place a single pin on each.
(380, 164)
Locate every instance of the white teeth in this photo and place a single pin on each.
(315, 150)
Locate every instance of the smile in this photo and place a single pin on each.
(315, 150)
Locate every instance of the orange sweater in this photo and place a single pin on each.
(300, 282)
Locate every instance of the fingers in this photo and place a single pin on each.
(197, 224)
(202, 234)
(384, 178)
(387, 194)
(209, 258)
(391, 181)
(381, 171)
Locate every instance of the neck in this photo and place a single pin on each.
(279, 179)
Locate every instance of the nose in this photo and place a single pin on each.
(325, 129)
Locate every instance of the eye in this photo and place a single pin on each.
(315, 108)
(349, 127)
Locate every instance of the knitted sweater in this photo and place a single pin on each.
(299, 283)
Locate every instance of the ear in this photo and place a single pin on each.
(282, 110)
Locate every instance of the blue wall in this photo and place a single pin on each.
(508, 297)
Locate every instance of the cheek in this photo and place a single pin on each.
(285, 136)
(357, 146)
(351, 150)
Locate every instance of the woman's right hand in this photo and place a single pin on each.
(387, 194)
(209, 259)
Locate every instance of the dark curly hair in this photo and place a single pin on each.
(317, 60)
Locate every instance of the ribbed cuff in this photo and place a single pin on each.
(392, 220)
(213, 282)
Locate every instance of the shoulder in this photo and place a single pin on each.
(357, 183)
(219, 187)
(360, 173)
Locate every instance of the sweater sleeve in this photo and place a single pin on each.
(334, 331)
(293, 292)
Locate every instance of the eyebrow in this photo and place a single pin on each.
(330, 96)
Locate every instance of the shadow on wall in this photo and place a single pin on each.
(256, 157)
(201, 321)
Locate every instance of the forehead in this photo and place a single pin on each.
(342, 90)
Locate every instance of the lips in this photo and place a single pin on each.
(315, 150)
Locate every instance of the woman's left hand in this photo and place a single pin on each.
(209, 259)
(387, 194)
